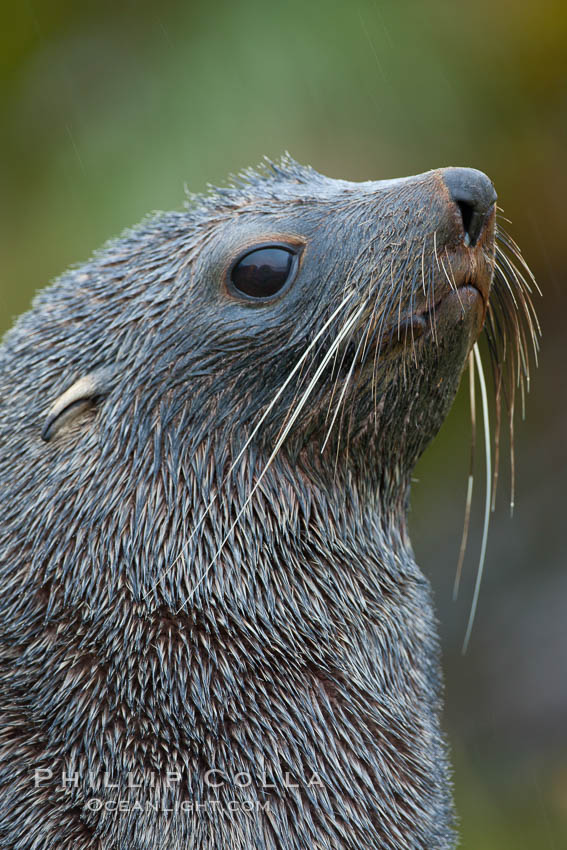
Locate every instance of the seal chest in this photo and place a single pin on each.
(214, 633)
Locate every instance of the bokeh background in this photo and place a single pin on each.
(109, 109)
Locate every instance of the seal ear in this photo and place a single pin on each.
(81, 396)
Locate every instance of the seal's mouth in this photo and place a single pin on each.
(461, 291)
(469, 299)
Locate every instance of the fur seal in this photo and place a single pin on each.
(214, 632)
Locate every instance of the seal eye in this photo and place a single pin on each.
(263, 272)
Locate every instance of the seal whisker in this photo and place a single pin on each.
(512, 330)
(430, 302)
(470, 481)
(346, 383)
(423, 266)
(382, 316)
(343, 332)
(520, 303)
(497, 432)
(440, 263)
(364, 342)
(441, 266)
(527, 284)
(523, 293)
(512, 460)
(504, 237)
(255, 430)
(488, 500)
(337, 369)
(411, 310)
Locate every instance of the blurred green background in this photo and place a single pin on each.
(108, 109)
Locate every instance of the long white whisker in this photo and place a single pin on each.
(258, 425)
(468, 504)
(322, 366)
(512, 461)
(529, 313)
(423, 268)
(480, 570)
(343, 393)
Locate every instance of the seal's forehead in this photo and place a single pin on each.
(283, 181)
(287, 181)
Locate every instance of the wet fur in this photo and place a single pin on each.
(134, 637)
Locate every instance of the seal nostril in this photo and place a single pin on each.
(467, 214)
(474, 195)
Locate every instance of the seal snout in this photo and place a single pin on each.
(473, 193)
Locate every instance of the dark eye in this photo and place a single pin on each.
(264, 272)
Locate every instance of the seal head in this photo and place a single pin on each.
(205, 565)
